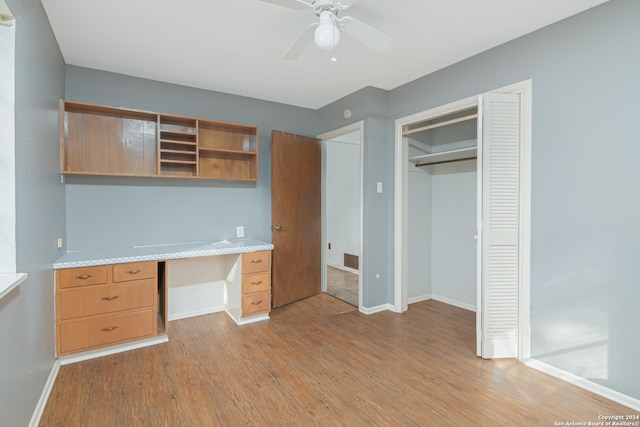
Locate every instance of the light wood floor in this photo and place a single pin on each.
(311, 365)
(342, 285)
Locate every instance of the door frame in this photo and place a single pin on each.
(324, 138)
(401, 178)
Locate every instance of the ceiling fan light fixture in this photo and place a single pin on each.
(327, 34)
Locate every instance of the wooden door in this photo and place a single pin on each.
(296, 217)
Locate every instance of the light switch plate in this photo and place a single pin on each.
(379, 187)
(240, 231)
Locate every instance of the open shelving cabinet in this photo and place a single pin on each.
(178, 146)
(104, 140)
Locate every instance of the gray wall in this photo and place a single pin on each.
(453, 227)
(371, 106)
(27, 348)
(585, 209)
(113, 212)
(585, 231)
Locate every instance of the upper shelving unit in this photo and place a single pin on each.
(178, 146)
(103, 140)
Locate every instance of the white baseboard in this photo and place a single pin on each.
(419, 298)
(598, 389)
(376, 309)
(453, 302)
(194, 313)
(445, 300)
(343, 268)
(92, 354)
(44, 397)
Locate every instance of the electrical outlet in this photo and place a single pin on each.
(59, 242)
(240, 231)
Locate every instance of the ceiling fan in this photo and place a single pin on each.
(326, 32)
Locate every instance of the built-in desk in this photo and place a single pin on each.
(110, 300)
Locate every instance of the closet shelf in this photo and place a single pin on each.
(445, 157)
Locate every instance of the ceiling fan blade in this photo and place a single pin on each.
(365, 34)
(301, 43)
(345, 4)
(292, 4)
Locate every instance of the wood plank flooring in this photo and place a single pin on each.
(317, 363)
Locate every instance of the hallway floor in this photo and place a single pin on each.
(342, 285)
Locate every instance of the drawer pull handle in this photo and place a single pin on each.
(256, 261)
(111, 329)
(256, 283)
(134, 271)
(115, 297)
(256, 302)
(84, 277)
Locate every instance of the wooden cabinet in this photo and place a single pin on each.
(256, 283)
(178, 146)
(106, 305)
(103, 140)
(108, 141)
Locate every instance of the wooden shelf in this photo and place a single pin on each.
(181, 162)
(216, 150)
(103, 140)
(192, 153)
(176, 141)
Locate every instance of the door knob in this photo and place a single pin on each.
(276, 227)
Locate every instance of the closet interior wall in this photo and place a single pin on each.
(442, 215)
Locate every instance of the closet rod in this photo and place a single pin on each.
(437, 125)
(445, 161)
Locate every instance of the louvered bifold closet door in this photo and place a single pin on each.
(500, 213)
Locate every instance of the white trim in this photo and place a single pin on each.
(236, 315)
(357, 126)
(194, 313)
(479, 226)
(7, 150)
(252, 319)
(442, 299)
(419, 298)
(376, 309)
(44, 396)
(343, 268)
(10, 281)
(93, 354)
(576, 380)
(454, 302)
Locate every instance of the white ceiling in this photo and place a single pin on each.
(236, 46)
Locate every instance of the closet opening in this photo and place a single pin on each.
(442, 208)
(452, 210)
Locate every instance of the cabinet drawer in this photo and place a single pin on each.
(259, 302)
(75, 336)
(255, 262)
(106, 299)
(83, 276)
(134, 271)
(256, 282)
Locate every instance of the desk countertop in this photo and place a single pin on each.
(158, 252)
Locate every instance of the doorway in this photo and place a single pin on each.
(499, 261)
(342, 213)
